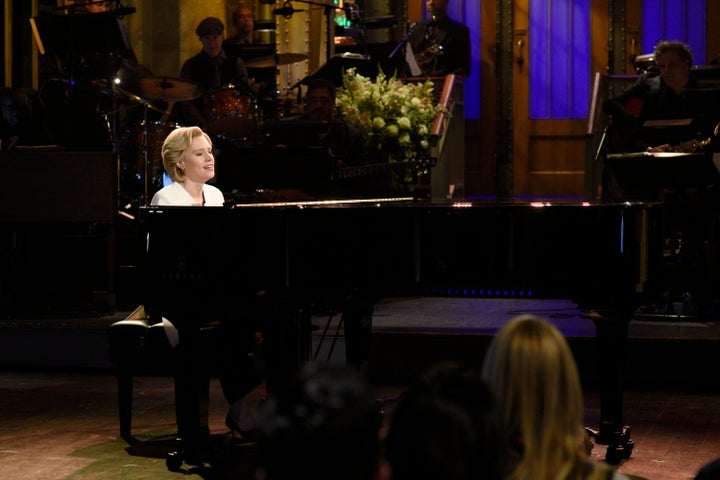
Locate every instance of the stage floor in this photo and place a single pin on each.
(59, 412)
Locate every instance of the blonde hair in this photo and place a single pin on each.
(174, 147)
(532, 372)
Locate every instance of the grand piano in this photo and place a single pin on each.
(321, 253)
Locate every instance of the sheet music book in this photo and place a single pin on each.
(415, 70)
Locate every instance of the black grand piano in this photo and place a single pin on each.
(326, 252)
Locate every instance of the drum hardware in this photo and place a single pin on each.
(144, 155)
(141, 101)
(150, 90)
(169, 89)
(153, 136)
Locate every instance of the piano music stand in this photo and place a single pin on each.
(309, 169)
(641, 175)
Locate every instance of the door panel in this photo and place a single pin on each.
(548, 152)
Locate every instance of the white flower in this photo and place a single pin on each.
(391, 114)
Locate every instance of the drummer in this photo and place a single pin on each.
(211, 69)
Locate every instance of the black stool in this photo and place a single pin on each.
(137, 345)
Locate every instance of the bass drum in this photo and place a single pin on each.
(234, 115)
(141, 159)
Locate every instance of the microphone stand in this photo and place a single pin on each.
(401, 45)
(403, 41)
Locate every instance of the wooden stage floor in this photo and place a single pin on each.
(58, 416)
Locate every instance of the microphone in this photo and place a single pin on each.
(285, 11)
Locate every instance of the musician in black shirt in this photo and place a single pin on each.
(441, 45)
(668, 93)
(211, 69)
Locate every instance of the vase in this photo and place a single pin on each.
(410, 171)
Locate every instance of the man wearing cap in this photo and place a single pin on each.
(211, 69)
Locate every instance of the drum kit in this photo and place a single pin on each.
(234, 115)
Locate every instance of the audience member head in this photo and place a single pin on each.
(532, 373)
(187, 154)
(674, 61)
(244, 21)
(320, 100)
(709, 471)
(323, 425)
(445, 426)
(210, 32)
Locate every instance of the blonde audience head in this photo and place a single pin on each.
(532, 372)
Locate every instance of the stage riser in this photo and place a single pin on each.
(652, 363)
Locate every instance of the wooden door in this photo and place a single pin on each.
(554, 60)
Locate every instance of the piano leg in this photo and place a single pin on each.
(192, 392)
(611, 333)
(357, 313)
(287, 338)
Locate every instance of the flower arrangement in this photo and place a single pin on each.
(395, 116)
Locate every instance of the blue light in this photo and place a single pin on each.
(681, 20)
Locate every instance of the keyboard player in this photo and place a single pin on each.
(674, 109)
(344, 141)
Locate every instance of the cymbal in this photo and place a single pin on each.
(140, 100)
(168, 89)
(277, 59)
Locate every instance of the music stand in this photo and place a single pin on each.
(89, 50)
(79, 34)
(334, 69)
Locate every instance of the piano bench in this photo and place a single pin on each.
(137, 345)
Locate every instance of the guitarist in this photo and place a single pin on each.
(441, 45)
